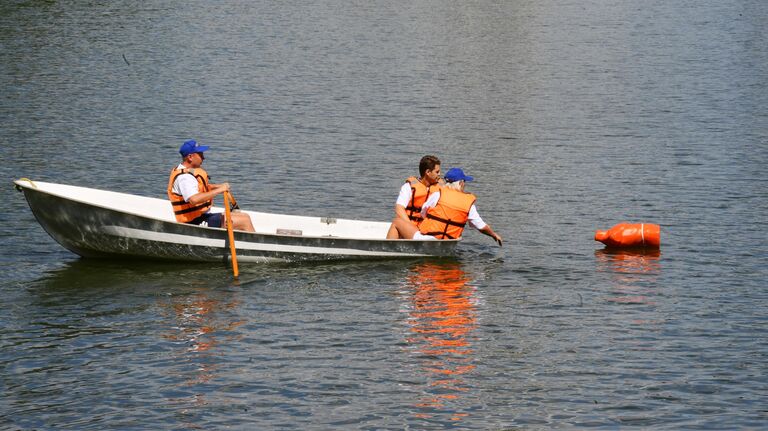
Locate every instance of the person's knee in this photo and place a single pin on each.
(242, 221)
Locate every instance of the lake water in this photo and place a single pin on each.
(572, 116)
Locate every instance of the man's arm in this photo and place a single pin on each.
(400, 212)
(430, 202)
(477, 222)
(402, 201)
(216, 189)
(488, 231)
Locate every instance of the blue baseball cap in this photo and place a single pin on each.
(191, 146)
(456, 174)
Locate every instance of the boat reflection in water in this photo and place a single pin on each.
(634, 273)
(441, 317)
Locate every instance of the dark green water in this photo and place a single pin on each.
(572, 116)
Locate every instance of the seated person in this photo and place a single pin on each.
(446, 212)
(415, 191)
(192, 195)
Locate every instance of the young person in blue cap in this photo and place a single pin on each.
(446, 212)
(192, 195)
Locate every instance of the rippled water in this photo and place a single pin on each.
(573, 116)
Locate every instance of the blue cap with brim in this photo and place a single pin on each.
(456, 174)
(190, 147)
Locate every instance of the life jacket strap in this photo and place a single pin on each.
(191, 209)
(446, 221)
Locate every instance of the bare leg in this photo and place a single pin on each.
(405, 229)
(392, 233)
(242, 221)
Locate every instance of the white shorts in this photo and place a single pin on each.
(419, 235)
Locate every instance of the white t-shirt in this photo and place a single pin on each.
(185, 185)
(404, 198)
(474, 216)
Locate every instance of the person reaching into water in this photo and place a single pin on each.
(192, 195)
(446, 212)
(415, 191)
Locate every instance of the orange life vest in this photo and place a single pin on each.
(419, 195)
(449, 216)
(184, 211)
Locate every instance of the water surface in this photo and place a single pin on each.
(573, 116)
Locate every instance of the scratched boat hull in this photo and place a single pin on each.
(103, 224)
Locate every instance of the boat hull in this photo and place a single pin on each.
(95, 231)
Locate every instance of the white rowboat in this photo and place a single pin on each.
(106, 224)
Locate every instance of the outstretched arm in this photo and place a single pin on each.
(476, 221)
(488, 231)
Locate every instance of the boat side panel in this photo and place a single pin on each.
(265, 223)
(94, 231)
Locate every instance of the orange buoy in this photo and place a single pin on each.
(625, 235)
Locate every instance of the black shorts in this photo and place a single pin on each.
(209, 219)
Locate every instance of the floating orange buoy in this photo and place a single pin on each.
(630, 235)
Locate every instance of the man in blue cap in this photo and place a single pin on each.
(192, 195)
(446, 212)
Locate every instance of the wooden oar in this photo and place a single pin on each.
(228, 216)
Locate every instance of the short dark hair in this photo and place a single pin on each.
(427, 163)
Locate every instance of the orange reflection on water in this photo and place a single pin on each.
(631, 271)
(629, 261)
(441, 318)
(196, 318)
(197, 321)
